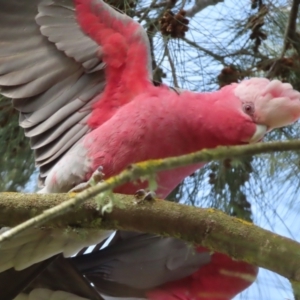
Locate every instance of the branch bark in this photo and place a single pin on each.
(290, 36)
(264, 249)
(200, 5)
(147, 170)
(207, 227)
(290, 32)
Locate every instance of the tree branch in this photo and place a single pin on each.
(147, 170)
(173, 69)
(291, 26)
(207, 227)
(290, 36)
(200, 5)
(206, 51)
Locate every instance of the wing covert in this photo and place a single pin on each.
(53, 72)
(51, 64)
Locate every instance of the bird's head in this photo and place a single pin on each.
(241, 112)
(270, 104)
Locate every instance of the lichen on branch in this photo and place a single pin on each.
(207, 227)
(210, 228)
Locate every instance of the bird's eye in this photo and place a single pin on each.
(248, 108)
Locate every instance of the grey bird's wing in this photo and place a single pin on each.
(53, 72)
(128, 267)
(134, 263)
(59, 280)
(19, 280)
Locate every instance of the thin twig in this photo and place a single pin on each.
(210, 53)
(291, 26)
(182, 4)
(148, 9)
(200, 5)
(149, 168)
(172, 66)
(289, 36)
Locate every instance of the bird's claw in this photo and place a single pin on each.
(80, 187)
(96, 177)
(142, 195)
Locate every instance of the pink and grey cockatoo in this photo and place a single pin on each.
(79, 72)
(137, 266)
(127, 266)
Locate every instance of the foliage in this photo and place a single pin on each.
(16, 158)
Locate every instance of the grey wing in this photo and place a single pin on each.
(135, 263)
(53, 72)
(128, 267)
(53, 279)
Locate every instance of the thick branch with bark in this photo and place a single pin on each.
(200, 5)
(290, 33)
(147, 170)
(207, 227)
(290, 37)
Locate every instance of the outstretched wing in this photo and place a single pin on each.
(54, 70)
(53, 279)
(57, 60)
(129, 266)
(135, 263)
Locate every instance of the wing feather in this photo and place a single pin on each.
(131, 261)
(53, 150)
(52, 70)
(57, 20)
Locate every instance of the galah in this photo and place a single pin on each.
(140, 266)
(79, 72)
(126, 268)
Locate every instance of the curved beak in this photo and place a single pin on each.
(259, 133)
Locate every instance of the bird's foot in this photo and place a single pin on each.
(142, 195)
(96, 177)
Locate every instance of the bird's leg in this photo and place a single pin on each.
(96, 177)
(142, 195)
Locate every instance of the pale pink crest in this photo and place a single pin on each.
(276, 104)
